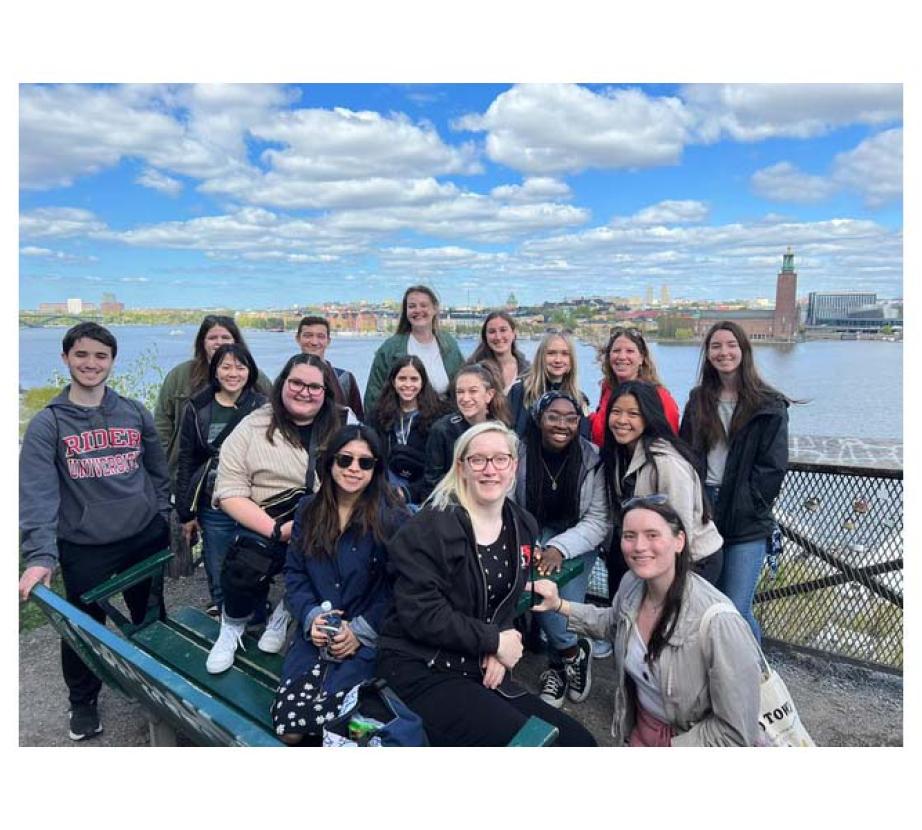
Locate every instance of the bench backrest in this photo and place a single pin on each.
(169, 696)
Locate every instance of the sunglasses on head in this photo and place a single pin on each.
(344, 460)
(617, 332)
(559, 331)
(644, 501)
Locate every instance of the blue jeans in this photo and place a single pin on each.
(742, 566)
(218, 531)
(554, 625)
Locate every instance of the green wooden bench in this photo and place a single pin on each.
(179, 646)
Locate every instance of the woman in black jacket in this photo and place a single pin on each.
(738, 425)
(210, 416)
(459, 566)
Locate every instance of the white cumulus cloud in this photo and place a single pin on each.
(783, 182)
(156, 180)
(533, 189)
(672, 212)
(59, 222)
(874, 167)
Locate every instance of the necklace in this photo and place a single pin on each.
(552, 477)
(403, 430)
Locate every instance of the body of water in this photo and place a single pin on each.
(852, 389)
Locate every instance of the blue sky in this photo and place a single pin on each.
(259, 195)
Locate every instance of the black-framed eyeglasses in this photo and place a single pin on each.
(344, 460)
(299, 387)
(500, 461)
(658, 499)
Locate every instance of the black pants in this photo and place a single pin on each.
(244, 586)
(461, 711)
(86, 566)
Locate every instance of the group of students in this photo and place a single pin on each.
(423, 510)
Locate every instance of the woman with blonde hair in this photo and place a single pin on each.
(553, 369)
(448, 647)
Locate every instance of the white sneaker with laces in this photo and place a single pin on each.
(221, 656)
(273, 637)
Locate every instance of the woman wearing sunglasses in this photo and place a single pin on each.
(210, 417)
(675, 684)
(478, 398)
(738, 424)
(336, 555)
(497, 346)
(626, 357)
(554, 368)
(265, 466)
(641, 456)
(560, 481)
(448, 647)
(403, 416)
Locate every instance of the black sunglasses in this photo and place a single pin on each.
(344, 460)
(643, 501)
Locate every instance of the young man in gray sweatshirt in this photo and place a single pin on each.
(93, 498)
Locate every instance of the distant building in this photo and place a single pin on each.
(74, 305)
(110, 305)
(52, 308)
(824, 307)
(664, 295)
(648, 296)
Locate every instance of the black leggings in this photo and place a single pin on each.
(461, 711)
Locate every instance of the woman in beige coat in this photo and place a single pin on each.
(678, 682)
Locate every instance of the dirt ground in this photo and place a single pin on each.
(841, 705)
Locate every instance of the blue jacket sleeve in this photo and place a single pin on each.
(300, 593)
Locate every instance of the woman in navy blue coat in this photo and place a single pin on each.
(336, 554)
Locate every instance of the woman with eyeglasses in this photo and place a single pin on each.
(210, 417)
(417, 334)
(560, 481)
(738, 425)
(337, 554)
(448, 646)
(680, 679)
(642, 456)
(478, 398)
(554, 368)
(498, 346)
(625, 357)
(403, 416)
(265, 466)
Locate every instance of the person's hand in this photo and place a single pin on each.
(549, 561)
(31, 577)
(285, 531)
(493, 671)
(510, 648)
(190, 531)
(547, 590)
(319, 637)
(344, 644)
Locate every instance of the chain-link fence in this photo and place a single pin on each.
(837, 586)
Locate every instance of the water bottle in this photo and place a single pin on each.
(331, 625)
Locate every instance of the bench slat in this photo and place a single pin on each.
(569, 569)
(535, 732)
(136, 573)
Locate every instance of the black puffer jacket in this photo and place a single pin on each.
(196, 455)
(440, 444)
(757, 461)
(440, 589)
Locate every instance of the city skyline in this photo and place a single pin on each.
(256, 196)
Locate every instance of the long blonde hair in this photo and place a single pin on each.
(535, 381)
(451, 489)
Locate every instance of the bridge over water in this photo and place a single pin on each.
(38, 321)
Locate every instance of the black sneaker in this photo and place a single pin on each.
(84, 721)
(553, 687)
(579, 671)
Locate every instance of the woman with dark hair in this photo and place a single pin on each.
(738, 425)
(642, 456)
(680, 679)
(265, 466)
(210, 417)
(417, 334)
(554, 368)
(497, 345)
(478, 398)
(406, 409)
(449, 645)
(625, 357)
(560, 481)
(336, 555)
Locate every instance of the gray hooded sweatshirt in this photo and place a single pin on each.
(89, 475)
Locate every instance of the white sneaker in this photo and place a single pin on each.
(601, 649)
(273, 637)
(221, 656)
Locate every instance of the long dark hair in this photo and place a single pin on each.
(428, 404)
(320, 515)
(242, 354)
(403, 324)
(752, 391)
(647, 370)
(328, 419)
(567, 482)
(498, 408)
(672, 605)
(199, 376)
(484, 353)
(656, 427)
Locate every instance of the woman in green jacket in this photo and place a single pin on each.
(417, 334)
